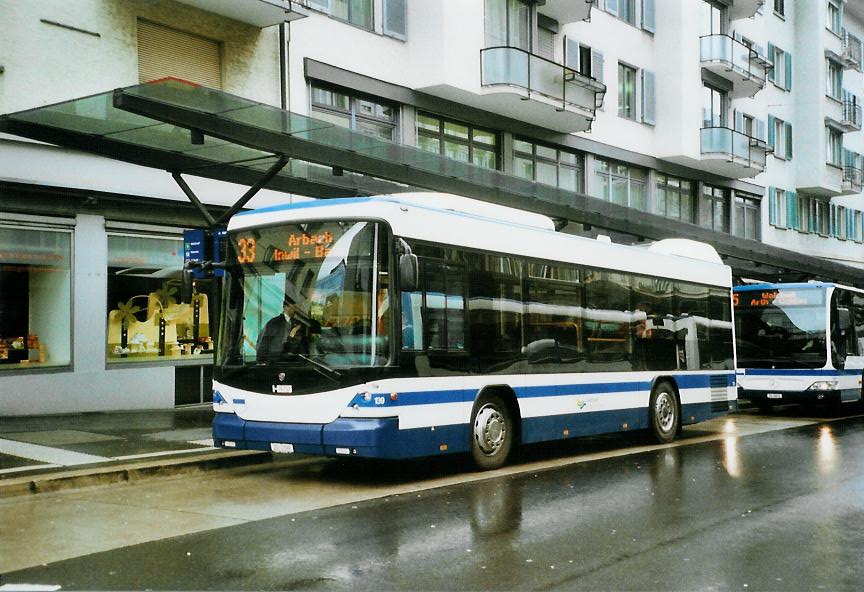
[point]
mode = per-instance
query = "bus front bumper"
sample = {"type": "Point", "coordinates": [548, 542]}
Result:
{"type": "Point", "coordinates": [775, 397]}
{"type": "Point", "coordinates": [368, 438]}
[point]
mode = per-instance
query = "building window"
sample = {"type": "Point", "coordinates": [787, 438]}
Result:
{"type": "Point", "coordinates": [544, 164]}
{"type": "Point", "coordinates": [713, 208]}
{"type": "Point", "coordinates": [624, 10]}
{"type": "Point", "coordinates": [146, 321]}
{"type": "Point", "coordinates": [834, 80]}
{"type": "Point", "coordinates": [777, 207]}
{"type": "Point", "coordinates": [834, 23]}
{"type": "Point", "coordinates": [36, 297]}
{"type": "Point", "coordinates": [714, 104]}
{"type": "Point", "coordinates": [713, 17]}
{"type": "Point", "coordinates": [457, 140]}
{"type": "Point", "coordinates": [781, 73]}
{"type": "Point", "coordinates": [626, 91]}
{"type": "Point", "coordinates": [621, 184]}
{"type": "Point", "coordinates": [164, 52]}
{"type": "Point", "coordinates": [747, 216]}
{"type": "Point", "coordinates": [372, 117]}
{"type": "Point", "coordinates": [508, 23]}
{"type": "Point", "coordinates": [780, 7]}
{"type": "Point", "coordinates": [822, 209]}
{"type": "Point", "coordinates": [674, 198]}
{"type": "Point", "coordinates": [834, 146]}
{"type": "Point", "coordinates": [355, 12]}
{"type": "Point", "coordinates": [780, 138]}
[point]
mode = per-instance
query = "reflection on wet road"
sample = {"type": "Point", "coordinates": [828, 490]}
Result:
{"type": "Point", "coordinates": [764, 510]}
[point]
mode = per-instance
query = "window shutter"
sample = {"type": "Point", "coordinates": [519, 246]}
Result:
{"type": "Point", "coordinates": [649, 99]}
{"type": "Point", "coordinates": [612, 6]}
{"type": "Point", "coordinates": [771, 57]}
{"type": "Point", "coordinates": [771, 138]}
{"type": "Point", "coordinates": [760, 129]}
{"type": "Point", "coordinates": [772, 206]}
{"type": "Point", "coordinates": [648, 12]}
{"type": "Point", "coordinates": [394, 18]}
{"type": "Point", "coordinates": [571, 53]}
{"type": "Point", "coordinates": [597, 65]}
{"type": "Point", "coordinates": [788, 59]}
{"type": "Point", "coordinates": [164, 52]}
{"type": "Point", "coordinates": [546, 43]}
{"type": "Point", "coordinates": [788, 127]}
{"type": "Point", "coordinates": [792, 210]}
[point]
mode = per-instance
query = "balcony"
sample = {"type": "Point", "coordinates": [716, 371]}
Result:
{"type": "Point", "coordinates": [853, 180]}
{"type": "Point", "coordinates": [732, 154]}
{"type": "Point", "coordinates": [258, 13]}
{"type": "Point", "coordinates": [742, 9]}
{"type": "Point", "coordinates": [850, 55]}
{"type": "Point", "coordinates": [519, 84]}
{"type": "Point", "coordinates": [844, 116]}
{"type": "Point", "coordinates": [566, 11]}
{"type": "Point", "coordinates": [734, 61]}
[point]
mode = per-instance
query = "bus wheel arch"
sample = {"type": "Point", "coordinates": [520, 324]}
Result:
{"type": "Point", "coordinates": [495, 426]}
{"type": "Point", "coordinates": [665, 419]}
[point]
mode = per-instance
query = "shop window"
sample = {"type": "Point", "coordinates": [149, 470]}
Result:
{"type": "Point", "coordinates": [146, 320]}
{"type": "Point", "coordinates": [35, 297]}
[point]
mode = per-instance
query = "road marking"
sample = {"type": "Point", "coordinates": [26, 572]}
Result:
{"type": "Point", "coordinates": [163, 453]}
{"type": "Point", "coordinates": [47, 454]}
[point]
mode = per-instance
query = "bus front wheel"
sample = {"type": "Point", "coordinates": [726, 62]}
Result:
{"type": "Point", "coordinates": [665, 418]}
{"type": "Point", "coordinates": [491, 432]}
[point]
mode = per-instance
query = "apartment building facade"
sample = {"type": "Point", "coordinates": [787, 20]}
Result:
{"type": "Point", "coordinates": [740, 117]}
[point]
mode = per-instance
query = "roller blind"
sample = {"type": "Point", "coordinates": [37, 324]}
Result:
{"type": "Point", "coordinates": [163, 52]}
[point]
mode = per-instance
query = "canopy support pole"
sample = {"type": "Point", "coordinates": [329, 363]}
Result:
{"type": "Point", "coordinates": [252, 191]}
{"type": "Point", "coordinates": [194, 199]}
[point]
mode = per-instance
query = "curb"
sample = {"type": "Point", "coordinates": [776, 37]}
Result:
{"type": "Point", "coordinates": [112, 474]}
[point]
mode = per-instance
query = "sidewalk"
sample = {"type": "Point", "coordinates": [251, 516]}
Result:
{"type": "Point", "coordinates": [46, 453]}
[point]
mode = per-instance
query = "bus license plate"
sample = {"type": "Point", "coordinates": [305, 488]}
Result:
{"type": "Point", "coordinates": [276, 447]}
{"type": "Point", "coordinates": [775, 396]}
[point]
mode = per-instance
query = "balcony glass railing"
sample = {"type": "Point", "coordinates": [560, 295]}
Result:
{"type": "Point", "coordinates": [734, 55]}
{"type": "Point", "coordinates": [852, 114]}
{"type": "Point", "coordinates": [512, 66]}
{"type": "Point", "coordinates": [853, 178]}
{"type": "Point", "coordinates": [727, 143]}
{"type": "Point", "coordinates": [852, 50]}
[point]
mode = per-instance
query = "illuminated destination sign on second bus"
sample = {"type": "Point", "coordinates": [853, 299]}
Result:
{"type": "Point", "coordinates": [296, 246]}
{"type": "Point", "coordinates": [783, 297]}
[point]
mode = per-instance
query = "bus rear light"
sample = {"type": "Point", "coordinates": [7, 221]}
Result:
{"type": "Point", "coordinates": [443, 448]}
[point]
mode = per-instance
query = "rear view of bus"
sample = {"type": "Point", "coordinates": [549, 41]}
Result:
{"type": "Point", "coordinates": [799, 343]}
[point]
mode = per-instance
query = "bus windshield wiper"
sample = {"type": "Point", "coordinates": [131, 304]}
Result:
{"type": "Point", "coordinates": [322, 368]}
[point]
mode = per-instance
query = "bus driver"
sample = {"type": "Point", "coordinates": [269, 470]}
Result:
{"type": "Point", "coordinates": [285, 334]}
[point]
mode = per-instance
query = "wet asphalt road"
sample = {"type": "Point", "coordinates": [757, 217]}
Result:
{"type": "Point", "coordinates": [782, 510]}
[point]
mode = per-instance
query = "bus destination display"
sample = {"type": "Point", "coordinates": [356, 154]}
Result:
{"type": "Point", "coordinates": [296, 246]}
{"type": "Point", "coordinates": [784, 298]}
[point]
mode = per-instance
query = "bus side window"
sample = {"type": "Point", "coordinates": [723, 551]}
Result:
{"type": "Point", "coordinates": [858, 315]}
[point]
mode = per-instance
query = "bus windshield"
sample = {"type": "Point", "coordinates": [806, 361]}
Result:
{"type": "Point", "coordinates": [781, 328]}
{"type": "Point", "coordinates": [307, 293]}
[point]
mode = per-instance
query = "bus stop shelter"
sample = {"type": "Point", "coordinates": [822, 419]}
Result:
{"type": "Point", "coordinates": [187, 129]}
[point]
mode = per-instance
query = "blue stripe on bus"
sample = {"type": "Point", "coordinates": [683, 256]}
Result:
{"type": "Point", "coordinates": [322, 203]}
{"type": "Point", "coordinates": [798, 372]}
{"type": "Point", "coordinates": [525, 392]}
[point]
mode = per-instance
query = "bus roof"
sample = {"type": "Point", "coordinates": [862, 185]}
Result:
{"type": "Point", "coordinates": [497, 229]}
{"type": "Point", "coordinates": [793, 285]}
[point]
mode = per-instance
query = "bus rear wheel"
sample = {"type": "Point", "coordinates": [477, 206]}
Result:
{"type": "Point", "coordinates": [491, 432]}
{"type": "Point", "coordinates": [664, 415]}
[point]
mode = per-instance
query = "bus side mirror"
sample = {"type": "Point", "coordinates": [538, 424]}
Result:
{"type": "Point", "coordinates": [844, 319]}
{"type": "Point", "coordinates": [409, 272]}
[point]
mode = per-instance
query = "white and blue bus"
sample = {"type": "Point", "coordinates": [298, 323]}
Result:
{"type": "Point", "coordinates": [426, 324]}
{"type": "Point", "coordinates": [799, 343]}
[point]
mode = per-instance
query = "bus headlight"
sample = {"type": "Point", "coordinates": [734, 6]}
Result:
{"type": "Point", "coordinates": [823, 385]}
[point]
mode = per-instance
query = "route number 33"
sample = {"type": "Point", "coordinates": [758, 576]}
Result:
{"type": "Point", "coordinates": [247, 250]}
